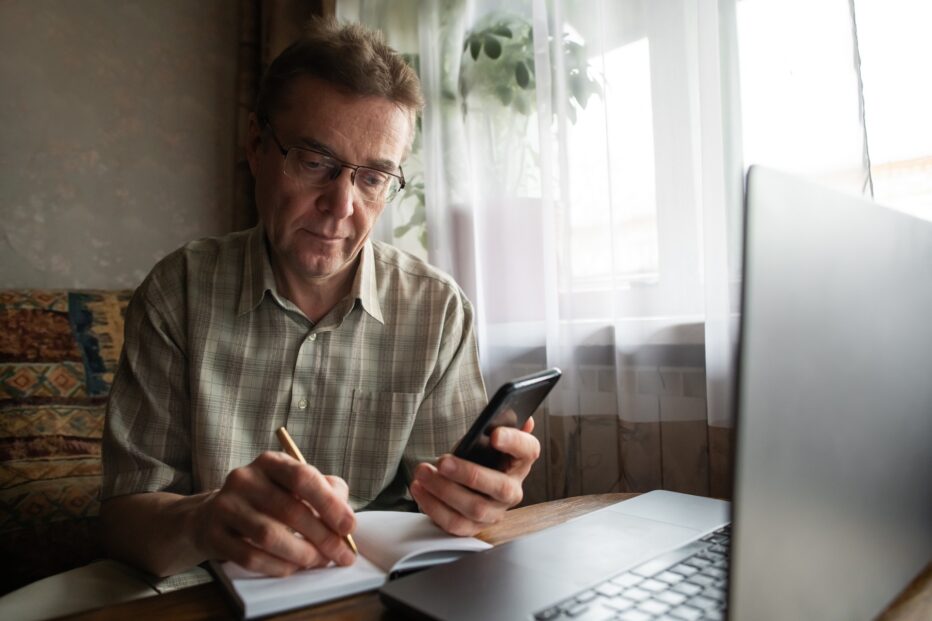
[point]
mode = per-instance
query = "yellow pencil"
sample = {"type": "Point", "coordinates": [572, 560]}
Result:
{"type": "Point", "coordinates": [292, 449]}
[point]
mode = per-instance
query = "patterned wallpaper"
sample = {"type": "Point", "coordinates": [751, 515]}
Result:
{"type": "Point", "coordinates": [116, 135]}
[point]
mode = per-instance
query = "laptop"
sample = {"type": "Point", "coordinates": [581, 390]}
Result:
{"type": "Point", "coordinates": [833, 469]}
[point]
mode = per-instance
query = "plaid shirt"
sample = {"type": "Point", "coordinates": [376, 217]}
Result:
{"type": "Point", "coordinates": [214, 361]}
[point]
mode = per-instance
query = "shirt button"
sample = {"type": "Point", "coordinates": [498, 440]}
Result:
{"type": "Point", "coordinates": [312, 337]}
{"type": "Point", "coordinates": [302, 404]}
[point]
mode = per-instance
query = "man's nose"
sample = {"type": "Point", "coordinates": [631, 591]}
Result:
{"type": "Point", "coordinates": [337, 198]}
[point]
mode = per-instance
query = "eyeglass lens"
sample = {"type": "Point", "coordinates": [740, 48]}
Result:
{"type": "Point", "coordinates": [318, 170]}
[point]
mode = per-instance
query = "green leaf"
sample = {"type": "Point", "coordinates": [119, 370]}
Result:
{"type": "Point", "coordinates": [578, 88]}
{"type": "Point", "coordinates": [504, 94]}
{"type": "Point", "coordinates": [423, 238]}
{"type": "Point", "coordinates": [503, 31]}
{"type": "Point", "coordinates": [419, 216]}
{"type": "Point", "coordinates": [475, 46]}
{"type": "Point", "coordinates": [401, 231]}
{"type": "Point", "coordinates": [521, 105]}
{"type": "Point", "coordinates": [522, 76]}
{"type": "Point", "coordinates": [493, 47]}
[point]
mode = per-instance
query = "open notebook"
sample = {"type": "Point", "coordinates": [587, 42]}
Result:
{"type": "Point", "coordinates": [390, 543]}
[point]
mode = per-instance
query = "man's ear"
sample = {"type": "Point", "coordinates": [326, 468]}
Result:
{"type": "Point", "coordinates": [253, 142]}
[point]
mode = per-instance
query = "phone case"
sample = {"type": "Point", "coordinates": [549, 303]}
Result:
{"type": "Point", "coordinates": [511, 406]}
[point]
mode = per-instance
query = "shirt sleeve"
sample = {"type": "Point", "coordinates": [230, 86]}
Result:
{"type": "Point", "coordinates": [146, 442]}
{"type": "Point", "coordinates": [456, 393]}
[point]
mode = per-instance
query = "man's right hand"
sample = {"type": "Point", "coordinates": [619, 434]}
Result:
{"type": "Point", "coordinates": [254, 520]}
{"type": "Point", "coordinates": [256, 517]}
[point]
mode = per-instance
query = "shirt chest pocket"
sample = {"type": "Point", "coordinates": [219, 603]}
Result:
{"type": "Point", "coordinates": [378, 431]}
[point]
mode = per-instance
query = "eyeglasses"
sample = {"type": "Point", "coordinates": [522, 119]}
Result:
{"type": "Point", "coordinates": [316, 169]}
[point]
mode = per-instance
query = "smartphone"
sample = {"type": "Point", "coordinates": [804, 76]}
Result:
{"type": "Point", "coordinates": [511, 406]}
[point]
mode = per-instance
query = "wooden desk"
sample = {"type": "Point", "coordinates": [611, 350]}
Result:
{"type": "Point", "coordinates": [208, 601]}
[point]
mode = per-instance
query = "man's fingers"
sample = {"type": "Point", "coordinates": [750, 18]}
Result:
{"type": "Point", "coordinates": [523, 447]}
{"type": "Point", "coordinates": [300, 518]}
{"type": "Point", "coordinates": [252, 558]}
{"type": "Point", "coordinates": [339, 486]}
{"type": "Point", "coordinates": [262, 503]}
{"type": "Point", "coordinates": [463, 497]}
{"type": "Point", "coordinates": [236, 515]}
{"type": "Point", "coordinates": [472, 504]}
{"type": "Point", "coordinates": [446, 518]}
{"type": "Point", "coordinates": [497, 486]}
{"type": "Point", "coordinates": [528, 425]}
{"type": "Point", "coordinates": [307, 483]}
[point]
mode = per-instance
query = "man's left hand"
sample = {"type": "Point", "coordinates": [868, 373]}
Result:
{"type": "Point", "coordinates": [463, 497]}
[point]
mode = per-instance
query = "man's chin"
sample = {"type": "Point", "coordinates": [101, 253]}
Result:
{"type": "Point", "coordinates": [320, 267]}
{"type": "Point", "coordinates": [311, 263]}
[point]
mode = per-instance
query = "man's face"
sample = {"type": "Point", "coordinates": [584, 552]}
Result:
{"type": "Point", "coordinates": [317, 233]}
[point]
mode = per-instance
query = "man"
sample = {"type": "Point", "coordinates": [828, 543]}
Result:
{"type": "Point", "coordinates": [366, 354]}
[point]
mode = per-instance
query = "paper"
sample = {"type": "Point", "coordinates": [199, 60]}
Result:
{"type": "Point", "coordinates": [388, 541]}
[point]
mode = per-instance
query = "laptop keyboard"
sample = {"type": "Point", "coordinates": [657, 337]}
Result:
{"type": "Point", "coordinates": [686, 584]}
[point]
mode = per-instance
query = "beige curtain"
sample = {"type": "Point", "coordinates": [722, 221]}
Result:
{"type": "Point", "coordinates": [266, 28]}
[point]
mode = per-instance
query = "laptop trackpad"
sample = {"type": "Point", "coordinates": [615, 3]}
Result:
{"type": "Point", "coordinates": [522, 576]}
{"type": "Point", "coordinates": [595, 546]}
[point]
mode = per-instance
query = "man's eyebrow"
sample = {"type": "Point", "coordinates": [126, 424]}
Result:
{"type": "Point", "coordinates": [379, 164]}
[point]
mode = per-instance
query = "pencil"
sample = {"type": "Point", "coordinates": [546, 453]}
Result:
{"type": "Point", "coordinates": [292, 449]}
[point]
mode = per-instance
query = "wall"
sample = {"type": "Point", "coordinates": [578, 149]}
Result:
{"type": "Point", "coordinates": [116, 135]}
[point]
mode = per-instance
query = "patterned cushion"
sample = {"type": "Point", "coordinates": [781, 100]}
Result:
{"type": "Point", "coordinates": [58, 352]}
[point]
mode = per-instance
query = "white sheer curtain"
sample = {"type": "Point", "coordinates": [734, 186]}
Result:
{"type": "Point", "coordinates": [579, 171]}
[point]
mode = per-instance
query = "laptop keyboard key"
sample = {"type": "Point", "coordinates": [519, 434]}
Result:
{"type": "Point", "coordinates": [685, 570]}
{"type": "Point", "coordinates": [653, 585]}
{"type": "Point", "coordinates": [574, 610]}
{"type": "Point", "coordinates": [698, 562]}
{"type": "Point", "coordinates": [637, 594]}
{"type": "Point", "coordinates": [704, 603]}
{"type": "Point", "coordinates": [653, 607]}
{"type": "Point", "coordinates": [607, 589]}
{"type": "Point", "coordinates": [595, 613]}
{"type": "Point", "coordinates": [669, 577]}
{"type": "Point", "coordinates": [702, 580]}
{"type": "Point", "coordinates": [547, 615]}
{"type": "Point", "coordinates": [627, 580]}
{"type": "Point", "coordinates": [671, 597]}
{"type": "Point", "coordinates": [659, 564]}
{"type": "Point", "coordinates": [687, 588]}
{"type": "Point", "coordinates": [686, 613]}
{"type": "Point", "coordinates": [634, 615]}
{"type": "Point", "coordinates": [586, 596]}
{"type": "Point", "coordinates": [619, 603]}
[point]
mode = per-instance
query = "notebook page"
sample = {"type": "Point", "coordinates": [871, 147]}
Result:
{"type": "Point", "coordinates": [394, 539]}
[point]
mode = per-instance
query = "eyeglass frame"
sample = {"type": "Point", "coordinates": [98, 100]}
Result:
{"type": "Point", "coordinates": [354, 168]}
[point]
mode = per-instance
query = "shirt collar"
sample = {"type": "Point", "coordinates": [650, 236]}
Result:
{"type": "Point", "coordinates": [257, 272]}
{"type": "Point", "coordinates": [258, 277]}
{"type": "Point", "coordinates": [365, 285]}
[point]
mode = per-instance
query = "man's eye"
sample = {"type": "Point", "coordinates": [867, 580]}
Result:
{"type": "Point", "coordinates": [372, 178]}
{"type": "Point", "coordinates": [312, 162]}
